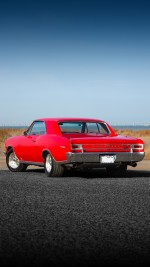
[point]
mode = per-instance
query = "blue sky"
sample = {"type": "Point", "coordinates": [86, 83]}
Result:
{"type": "Point", "coordinates": [75, 59]}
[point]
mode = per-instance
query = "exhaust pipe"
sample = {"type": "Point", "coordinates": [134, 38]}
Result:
{"type": "Point", "coordinates": [133, 164]}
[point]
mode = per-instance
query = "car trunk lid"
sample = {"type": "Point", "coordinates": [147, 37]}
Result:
{"type": "Point", "coordinates": [102, 144]}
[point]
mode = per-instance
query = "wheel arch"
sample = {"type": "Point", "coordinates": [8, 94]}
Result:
{"type": "Point", "coordinates": [9, 147]}
{"type": "Point", "coordinates": [45, 152]}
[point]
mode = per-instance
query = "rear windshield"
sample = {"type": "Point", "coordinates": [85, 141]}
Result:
{"type": "Point", "coordinates": [84, 127]}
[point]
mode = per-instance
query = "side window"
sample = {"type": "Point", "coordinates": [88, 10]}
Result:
{"type": "Point", "coordinates": [103, 128]}
{"type": "Point", "coordinates": [38, 128]}
{"type": "Point", "coordinates": [91, 127]}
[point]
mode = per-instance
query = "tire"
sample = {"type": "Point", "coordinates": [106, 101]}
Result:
{"type": "Point", "coordinates": [13, 163]}
{"type": "Point", "coordinates": [52, 168]}
{"type": "Point", "coordinates": [117, 171]}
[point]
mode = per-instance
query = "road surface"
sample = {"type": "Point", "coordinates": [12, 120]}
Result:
{"type": "Point", "coordinates": [86, 219]}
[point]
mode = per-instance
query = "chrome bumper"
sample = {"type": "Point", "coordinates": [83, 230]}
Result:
{"type": "Point", "coordinates": [95, 157]}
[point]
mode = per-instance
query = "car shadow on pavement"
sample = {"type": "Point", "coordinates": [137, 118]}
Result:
{"type": "Point", "coordinates": [95, 173]}
{"type": "Point", "coordinates": [101, 173]}
{"type": "Point", "coordinates": [89, 174]}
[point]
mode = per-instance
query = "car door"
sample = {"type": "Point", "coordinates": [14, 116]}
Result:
{"type": "Point", "coordinates": [32, 148]}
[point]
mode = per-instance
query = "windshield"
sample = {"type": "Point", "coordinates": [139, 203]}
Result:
{"type": "Point", "coordinates": [84, 127]}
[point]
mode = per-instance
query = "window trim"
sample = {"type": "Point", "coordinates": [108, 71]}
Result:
{"type": "Point", "coordinates": [31, 127]}
{"type": "Point", "coordinates": [84, 127]}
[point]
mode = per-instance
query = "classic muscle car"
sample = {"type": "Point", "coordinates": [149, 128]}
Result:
{"type": "Point", "coordinates": [66, 143]}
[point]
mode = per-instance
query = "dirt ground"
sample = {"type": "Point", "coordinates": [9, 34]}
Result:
{"type": "Point", "coordinates": [143, 165]}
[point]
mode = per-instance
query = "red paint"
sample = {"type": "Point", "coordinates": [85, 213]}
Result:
{"type": "Point", "coordinates": [30, 148]}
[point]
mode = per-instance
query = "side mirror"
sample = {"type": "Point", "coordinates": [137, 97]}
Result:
{"type": "Point", "coordinates": [25, 133]}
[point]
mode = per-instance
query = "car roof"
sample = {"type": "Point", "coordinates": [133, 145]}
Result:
{"type": "Point", "coordinates": [68, 119]}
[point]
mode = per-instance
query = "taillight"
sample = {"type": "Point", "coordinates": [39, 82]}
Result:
{"type": "Point", "coordinates": [138, 148]}
{"type": "Point", "coordinates": [76, 148]}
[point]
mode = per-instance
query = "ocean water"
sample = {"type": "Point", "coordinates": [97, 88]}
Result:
{"type": "Point", "coordinates": [131, 127]}
{"type": "Point", "coordinates": [13, 127]}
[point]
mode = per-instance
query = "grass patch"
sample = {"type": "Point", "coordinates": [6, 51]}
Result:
{"type": "Point", "coordinates": [6, 133]}
{"type": "Point", "coordinates": [142, 134]}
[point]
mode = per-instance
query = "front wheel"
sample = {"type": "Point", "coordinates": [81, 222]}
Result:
{"type": "Point", "coordinates": [13, 163]}
{"type": "Point", "coordinates": [52, 168]}
{"type": "Point", "coordinates": [117, 171]}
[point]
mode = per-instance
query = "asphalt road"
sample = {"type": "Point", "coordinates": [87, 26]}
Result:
{"type": "Point", "coordinates": [86, 219]}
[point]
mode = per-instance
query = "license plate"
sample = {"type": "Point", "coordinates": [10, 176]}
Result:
{"type": "Point", "coordinates": [107, 159]}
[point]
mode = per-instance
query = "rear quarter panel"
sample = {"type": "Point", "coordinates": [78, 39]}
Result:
{"type": "Point", "coordinates": [58, 146]}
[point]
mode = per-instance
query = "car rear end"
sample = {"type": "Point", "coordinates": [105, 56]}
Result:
{"type": "Point", "coordinates": [104, 151]}
{"type": "Point", "coordinates": [95, 143]}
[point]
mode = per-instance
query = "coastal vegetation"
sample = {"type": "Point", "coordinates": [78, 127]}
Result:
{"type": "Point", "coordinates": [143, 134]}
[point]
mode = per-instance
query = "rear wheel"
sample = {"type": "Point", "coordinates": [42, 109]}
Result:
{"type": "Point", "coordinates": [52, 168]}
{"type": "Point", "coordinates": [117, 171]}
{"type": "Point", "coordinates": [13, 163]}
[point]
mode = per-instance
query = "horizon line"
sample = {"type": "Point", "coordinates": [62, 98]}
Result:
{"type": "Point", "coordinates": [114, 124]}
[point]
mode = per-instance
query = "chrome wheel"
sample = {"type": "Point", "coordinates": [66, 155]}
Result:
{"type": "Point", "coordinates": [48, 163]}
{"type": "Point", "coordinates": [52, 168]}
{"type": "Point", "coordinates": [13, 161]}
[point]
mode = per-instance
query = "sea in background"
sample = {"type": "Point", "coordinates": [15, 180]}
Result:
{"type": "Point", "coordinates": [131, 127]}
{"type": "Point", "coordinates": [119, 127]}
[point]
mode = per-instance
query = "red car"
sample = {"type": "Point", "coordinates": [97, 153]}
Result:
{"type": "Point", "coordinates": [66, 143]}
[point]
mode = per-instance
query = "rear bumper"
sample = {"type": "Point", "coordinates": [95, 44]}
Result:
{"type": "Point", "coordinates": [95, 157]}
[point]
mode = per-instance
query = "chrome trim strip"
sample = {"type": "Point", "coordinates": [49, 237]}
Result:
{"type": "Point", "coordinates": [32, 163]}
{"type": "Point", "coordinates": [128, 157]}
{"type": "Point", "coordinates": [95, 157]}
